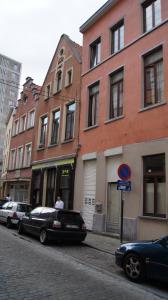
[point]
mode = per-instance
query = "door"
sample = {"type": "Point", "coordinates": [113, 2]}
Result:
{"type": "Point", "coordinates": [89, 192]}
{"type": "Point", "coordinates": [113, 209]}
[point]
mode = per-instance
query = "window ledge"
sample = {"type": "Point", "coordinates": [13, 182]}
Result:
{"type": "Point", "coordinates": [152, 106]}
{"type": "Point", "coordinates": [40, 148]}
{"type": "Point", "coordinates": [56, 92]}
{"type": "Point", "coordinates": [91, 127]}
{"type": "Point", "coordinates": [164, 219]}
{"type": "Point", "coordinates": [68, 85]}
{"type": "Point", "coordinates": [113, 120]}
{"type": "Point", "coordinates": [67, 141]}
{"type": "Point", "coordinates": [30, 127]}
{"type": "Point", "coordinates": [52, 145]}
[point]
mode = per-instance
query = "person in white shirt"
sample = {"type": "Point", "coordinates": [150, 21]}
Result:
{"type": "Point", "coordinates": [59, 203]}
{"type": "Point", "coordinates": [8, 197]}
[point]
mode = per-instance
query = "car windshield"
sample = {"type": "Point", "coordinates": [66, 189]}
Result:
{"type": "Point", "coordinates": [21, 207]}
{"type": "Point", "coordinates": [5, 205]}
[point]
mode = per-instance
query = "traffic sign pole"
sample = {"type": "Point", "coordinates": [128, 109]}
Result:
{"type": "Point", "coordinates": [122, 211]}
{"type": "Point", "coordinates": [124, 172]}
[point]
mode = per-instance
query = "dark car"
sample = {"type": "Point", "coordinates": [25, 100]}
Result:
{"type": "Point", "coordinates": [52, 224]}
{"type": "Point", "coordinates": [144, 259]}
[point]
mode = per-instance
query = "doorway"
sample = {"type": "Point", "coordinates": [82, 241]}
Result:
{"type": "Point", "coordinates": [113, 209]}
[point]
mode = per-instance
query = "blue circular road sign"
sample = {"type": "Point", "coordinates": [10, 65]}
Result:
{"type": "Point", "coordinates": [124, 172]}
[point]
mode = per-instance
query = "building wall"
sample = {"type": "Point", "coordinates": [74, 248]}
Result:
{"type": "Point", "coordinates": [138, 132]}
{"type": "Point", "coordinates": [59, 156]}
{"type": "Point", "coordinates": [19, 176]}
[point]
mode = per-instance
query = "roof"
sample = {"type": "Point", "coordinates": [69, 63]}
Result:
{"type": "Point", "coordinates": [97, 15]}
{"type": "Point", "coordinates": [76, 49]}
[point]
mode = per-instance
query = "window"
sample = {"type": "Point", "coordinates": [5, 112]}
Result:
{"type": "Point", "coordinates": [22, 124]}
{"type": "Point", "coordinates": [31, 117]}
{"type": "Point", "coordinates": [154, 185]}
{"type": "Point", "coordinates": [55, 126]}
{"type": "Point", "coordinates": [68, 78]}
{"type": "Point", "coordinates": [116, 94]}
{"type": "Point", "coordinates": [70, 111]}
{"type": "Point", "coordinates": [19, 158]}
{"type": "Point", "coordinates": [27, 155]}
{"type": "Point", "coordinates": [58, 81]}
{"type": "Point", "coordinates": [92, 106]}
{"type": "Point", "coordinates": [117, 36]}
{"type": "Point", "coordinates": [43, 130]}
{"type": "Point", "coordinates": [12, 159]}
{"type": "Point", "coordinates": [153, 64]}
{"type": "Point", "coordinates": [152, 14]}
{"type": "Point", "coordinates": [95, 52]}
{"type": "Point", "coordinates": [16, 127]}
{"type": "Point", "coordinates": [47, 91]}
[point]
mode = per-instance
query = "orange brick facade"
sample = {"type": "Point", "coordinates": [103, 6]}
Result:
{"type": "Point", "coordinates": [138, 134]}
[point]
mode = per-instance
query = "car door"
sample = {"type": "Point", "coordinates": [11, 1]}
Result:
{"type": "Point", "coordinates": [7, 211]}
{"type": "Point", "coordinates": [31, 223]}
{"type": "Point", "coordinates": [158, 260]}
{"type": "Point", "coordinates": [2, 211]}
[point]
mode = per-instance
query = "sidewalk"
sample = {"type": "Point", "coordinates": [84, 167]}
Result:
{"type": "Point", "coordinates": [102, 242]}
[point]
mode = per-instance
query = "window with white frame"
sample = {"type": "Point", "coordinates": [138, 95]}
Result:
{"type": "Point", "coordinates": [47, 91]}
{"type": "Point", "coordinates": [43, 130]}
{"type": "Point", "coordinates": [55, 126]}
{"type": "Point", "coordinates": [19, 158]}
{"type": "Point", "coordinates": [16, 127]}
{"type": "Point", "coordinates": [93, 104]}
{"type": "Point", "coordinates": [58, 82]}
{"type": "Point", "coordinates": [12, 159]}
{"type": "Point", "coordinates": [27, 155]}
{"type": "Point", "coordinates": [22, 123]}
{"type": "Point", "coordinates": [68, 77]}
{"type": "Point", "coordinates": [69, 127]}
{"type": "Point", "coordinates": [31, 117]}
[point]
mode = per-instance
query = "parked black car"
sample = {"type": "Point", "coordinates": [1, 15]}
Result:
{"type": "Point", "coordinates": [144, 259]}
{"type": "Point", "coordinates": [52, 224]}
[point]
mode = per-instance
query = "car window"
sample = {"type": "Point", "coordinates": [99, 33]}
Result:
{"type": "Point", "coordinates": [36, 211]}
{"type": "Point", "coordinates": [10, 205]}
{"type": "Point", "coordinates": [47, 213]}
{"type": "Point", "coordinates": [21, 207]}
{"type": "Point", "coordinates": [69, 217]}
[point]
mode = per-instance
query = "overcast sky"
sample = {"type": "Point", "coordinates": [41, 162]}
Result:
{"type": "Point", "coordinates": [31, 29]}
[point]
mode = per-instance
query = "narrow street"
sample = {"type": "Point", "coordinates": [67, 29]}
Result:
{"type": "Point", "coordinates": [30, 270]}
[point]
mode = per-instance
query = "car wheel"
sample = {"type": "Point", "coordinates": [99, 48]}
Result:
{"type": "Point", "coordinates": [20, 228]}
{"type": "Point", "coordinates": [8, 223]}
{"type": "Point", "coordinates": [43, 237]}
{"type": "Point", "coordinates": [133, 267]}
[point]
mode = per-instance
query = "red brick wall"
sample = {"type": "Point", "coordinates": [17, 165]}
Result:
{"type": "Point", "coordinates": [136, 125]}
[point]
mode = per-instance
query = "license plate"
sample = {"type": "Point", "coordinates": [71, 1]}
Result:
{"type": "Point", "coordinates": [72, 226]}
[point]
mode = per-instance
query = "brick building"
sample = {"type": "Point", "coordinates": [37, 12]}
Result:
{"type": "Point", "coordinates": [18, 176]}
{"type": "Point", "coordinates": [56, 135]}
{"type": "Point", "coordinates": [124, 118]}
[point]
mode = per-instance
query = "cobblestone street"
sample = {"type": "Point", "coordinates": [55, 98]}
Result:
{"type": "Point", "coordinates": [32, 271]}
